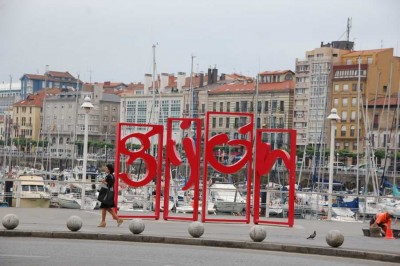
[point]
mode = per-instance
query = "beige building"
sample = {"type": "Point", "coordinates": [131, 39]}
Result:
{"type": "Point", "coordinates": [361, 77]}
{"type": "Point", "coordinates": [274, 103]}
{"type": "Point", "coordinates": [27, 117]}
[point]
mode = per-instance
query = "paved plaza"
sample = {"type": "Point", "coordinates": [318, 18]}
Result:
{"type": "Point", "coordinates": [52, 223]}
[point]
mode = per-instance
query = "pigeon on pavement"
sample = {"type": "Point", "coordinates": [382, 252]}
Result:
{"type": "Point", "coordinates": [312, 236]}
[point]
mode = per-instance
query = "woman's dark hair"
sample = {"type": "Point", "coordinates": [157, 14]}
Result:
{"type": "Point", "coordinates": [110, 168]}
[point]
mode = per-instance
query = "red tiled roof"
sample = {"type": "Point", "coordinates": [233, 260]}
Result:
{"type": "Point", "coordinates": [33, 76]}
{"type": "Point", "coordinates": [37, 98]}
{"type": "Point", "coordinates": [364, 52]}
{"type": "Point", "coordinates": [135, 86]}
{"type": "Point", "coordinates": [251, 87]}
{"type": "Point", "coordinates": [60, 74]}
{"type": "Point", "coordinates": [195, 81]}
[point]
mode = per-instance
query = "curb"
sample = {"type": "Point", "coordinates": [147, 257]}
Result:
{"type": "Point", "coordinates": [326, 251]}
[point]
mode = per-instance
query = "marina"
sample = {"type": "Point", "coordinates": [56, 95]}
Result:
{"type": "Point", "coordinates": [34, 191]}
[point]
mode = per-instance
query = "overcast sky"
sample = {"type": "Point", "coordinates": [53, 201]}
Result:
{"type": "Point", "coordinates": [113, 39]}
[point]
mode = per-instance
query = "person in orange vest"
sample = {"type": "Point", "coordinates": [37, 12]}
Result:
{"type": "Point", "coordinates": [382, 219]}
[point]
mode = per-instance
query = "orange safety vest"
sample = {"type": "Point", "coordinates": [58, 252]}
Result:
{"type": "Point", "coordinates": [382, 218]}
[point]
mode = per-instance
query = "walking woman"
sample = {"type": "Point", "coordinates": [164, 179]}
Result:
{"type": "Point", "coordinates": [109, 182]}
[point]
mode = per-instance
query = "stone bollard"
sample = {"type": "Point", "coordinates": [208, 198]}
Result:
{"type": "Point", "coordinates": [334, 238]}
{"type": "Point", "coordinates": [10, 221]}
{"type": "Point", "coordinates": [74, 223]}
{"type": "Point", "coordinates": [196, 229]}
{"type": "Point", "coordinates": [258, 233]}
{"type": "Point", "coordinates": [136, 226]}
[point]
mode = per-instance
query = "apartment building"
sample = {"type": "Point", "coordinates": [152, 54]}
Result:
{"type": "Point", "coordinates": [143, 105]}
{"type": "Point", "coordinates": [10, 93]}
{"type": "Point", "coordinates": [274, 102]}
{"type": "Point", "coordinates": [26, 119]}
{"type": "Point", "coordinates": [312, 91]}
{"type": "Point", "coordinates": [32, 83]}
{"type": "Point", "coordinates": [64, 119]}
{"type": "Point", "coordinates": [365, 87]}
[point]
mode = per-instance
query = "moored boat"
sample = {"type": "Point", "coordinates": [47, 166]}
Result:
{"type": "Point", "coordinates": [29, 192]}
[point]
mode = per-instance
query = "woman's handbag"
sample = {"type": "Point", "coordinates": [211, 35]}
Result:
{"type": "Point", "coordinates": [106, 196]}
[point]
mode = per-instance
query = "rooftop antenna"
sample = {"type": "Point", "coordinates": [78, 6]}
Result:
{"type": "Point", "coordinates": [349, 20]}
{"type": "Point", "coordinates": [90, 76]}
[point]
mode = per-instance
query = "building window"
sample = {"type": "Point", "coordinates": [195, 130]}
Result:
{"type": "Point", "coordinates": [369, 60]}
{"type": "Point", "coordinates": [228, 106]}
{"type": "Point", "coordinates": [344, 116]}
{"type": "Point", "coordinates": [343, 131]}
{"type": "Point", "coordinates": [220, 122]}
{"type": "Point", "coordinates": [236, 125]}
{"type": "Point", "coordinates": [221, 106]}
{"type": "Point", "coordinates": [353, 101]}
{"type": "Point", "coordinates": [352, 131]}
{"type": "Point", "coordinates": [349, 61]}
{"type": "Point", "coordinates": [266, 106]}
{"type": "Point", "coordinates": [335, 102]}
{"type": "Point", "coordinates": [203, 108]}
{"type": "Point", "coordinates": [345, 87]}
{"type": "Point", "coordinates": [227, 122]}
{"type": "Point", "coordinates": [214, 106]}
{"type": "Point", "coordinates": [353, 116]}
{"type": "Point", "coordinates": [214, 122]}
{"type": "Point", "coordinates": [237, 107]}
{"type": "Point", "coordinates": [344, 102]}
{"type": "Point", "coordinates": [336, 87]}
{"type": "Point", "coordinates": [274, 106]}
{"type": "Point", "coordinates": [376, 121]}
{"type": "Point", "coordinates": [282, 106]}
{"type": "Point", "coordinates": [243, 106]}
{"type": "Point", "coordinates": [385, 89]}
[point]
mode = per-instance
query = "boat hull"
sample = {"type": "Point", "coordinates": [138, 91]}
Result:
{"type": "Point", "coordinates": [230, 207]}
{"type": "Point", "coordinates": [32, 203]}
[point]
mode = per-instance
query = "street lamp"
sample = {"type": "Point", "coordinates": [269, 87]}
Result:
{"type": "Point", "coordinates": [86, 106]}
{"type": "Point", "coordinates": [333, 117]}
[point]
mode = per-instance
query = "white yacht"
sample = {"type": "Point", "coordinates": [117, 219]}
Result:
{"type": "Point", "coordinates": [29, 192]}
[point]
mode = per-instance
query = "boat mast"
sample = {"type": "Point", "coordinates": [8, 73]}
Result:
{"type": "Point", "coordinates": [396, 139]}
{"type": "Point", "coordinates": [153, 118]}
{"type": "Point", "coordinates": [358, 124]}
{"type": "Point", "coordinates": [191, 89]}
{"type": "Point", "coordinates": [387, 122]}
{"type": "Point", "coordinates": [73, 157]}
{"type": "Point", "coordinates": [44, 114]}
{"type": "Point", "coordinates": [191, 108]}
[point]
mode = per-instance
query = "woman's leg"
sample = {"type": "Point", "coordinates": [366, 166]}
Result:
{"type": "Point", "coordinates": [113, 214]}
{"type": "Point", "coordinates": [103, 215]}
{"type": "Point", "coordinates": [103, 218]}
